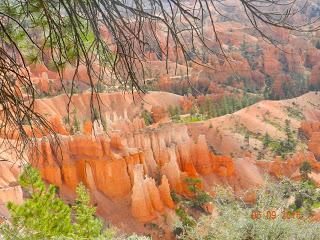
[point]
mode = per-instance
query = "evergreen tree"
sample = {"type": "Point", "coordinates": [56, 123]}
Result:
{"type": "Point", "coordinates": [202, 109]}
{"type": "Point", "coordinates": [305, 169]}
{"type": "Point", "coordinates": [177, 110]}
{"type": "Point", "coordinates": [233, 103]}
{"type": "Point", "coordinates": [267, 93]}
{"type": "Point", "coordinates": [237, 104]}
{"type": "Point", "coordinates": [87, 226]}
{"type": "Point", "coordinates": [218, 112]}
{"type": "Point", "coordinates": [229, 104]}
{"type": "Point", "coordinates": [247, 138]}
{"type": "Point", "coordinates": [46, 216]}
{"type": "Point", "coordinates": [290, 142]}
{"type": "Point", "coordinates": [266, 140]}
{"type": "Point", "coordinates": [76, 125]}
{"type": "Point", "coordinates": [245, 101]}
{"type": "Point", "coordinates": [200, 197]}
{"type": "Point", "coordinates": [42, 216]}
{"type": "Point", "coordinates": [224, 105]}
{"type": "Point", "coordinates": [244, 48]}
{"type": "Point", "coordinates": [212, 111]}
{"type": "Point", "coordinates": [284, 61]}
{"type": "Point", "coordinates": [148, 119]}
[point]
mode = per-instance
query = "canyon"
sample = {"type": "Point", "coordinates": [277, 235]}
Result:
{"type": "Point", "coordinates": [238, 118]}
{"type": "Point", "coordinates": [131, 169]}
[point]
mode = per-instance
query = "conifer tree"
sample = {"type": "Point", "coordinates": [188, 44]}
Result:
{"type": "Point", "coordinates": [45, 216]}
{"type": "Point", "coordinates": [76, 124]}
{"type": "Point", "coordinates": [305, 169]}
{"type": "Point", "coordinates": [212, 112]}
{"type": "Point", "coordinates": [290, 142]}
{"type": "Point", "coordinates": [146, 115]}
{"type": "Point", "coordinates": [247, 138]}
{"type": "Point", "coordinates": [266, 140]}
{"type": "Point", "coordinates": [87, 226]}
{"type": "Point", "coordinates": [42, 216]}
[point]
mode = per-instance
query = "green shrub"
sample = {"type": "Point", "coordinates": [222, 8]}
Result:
{"type": "Point", "coordinates": [200, 197]}
{"type": "Point", "coordinates": [146, 115]}
{"type": "Point", "coordinates": [235, 218]}
{"type": "Point", "coordinates": [185, 223]}
{"type": "Point", "coordinates": [266, 140]}
{"type": "Point", "coordinates": [305, 169]}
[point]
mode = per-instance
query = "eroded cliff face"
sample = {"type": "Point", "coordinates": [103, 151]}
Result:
{"type": "Point", "coordinates": [131, 159]}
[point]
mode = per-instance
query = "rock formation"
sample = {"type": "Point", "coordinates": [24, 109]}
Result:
{"type": "Point", "coordinates": [146, 163]}
{"type": "Point", "coordinates": [145, 196]}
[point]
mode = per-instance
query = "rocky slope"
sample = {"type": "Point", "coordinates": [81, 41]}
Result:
{"type": "Point", "coordinates": [227, 133]}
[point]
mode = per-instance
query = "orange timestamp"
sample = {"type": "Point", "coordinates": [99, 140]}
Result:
{"type": "Point", "coordinates": [272, 214]}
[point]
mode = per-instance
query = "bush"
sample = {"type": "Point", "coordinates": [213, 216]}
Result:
{"type": "Point", "coordinates": [185, 223]}
{"type": "Point", "coordinates": [200, 197]}
{"type": "Point", "coordinates": [235, 218]}
{"type": "Point", "coordinates": [174, 112]}
{"type": "Point", "coordinates": [266, 140]}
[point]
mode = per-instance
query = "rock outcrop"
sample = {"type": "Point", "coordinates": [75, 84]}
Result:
{"type": "Point", "coordinates": [145, 196]}
{"type": "Point", "coordinates": [131, 159]}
